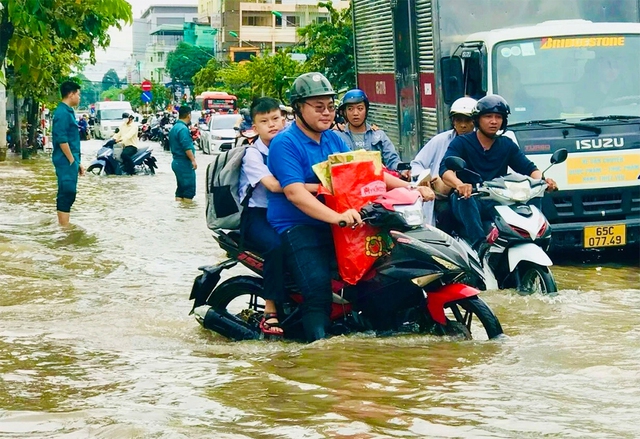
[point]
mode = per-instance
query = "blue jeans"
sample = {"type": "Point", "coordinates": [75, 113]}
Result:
{"type": "Point", "coordinates": [185, 177]}
{"type": "Point", "coordinates": [310, 258]}
{"type": "Point", "coordinates": [471, 212]}
{"type": "Point", "coordinates": [260, 236]}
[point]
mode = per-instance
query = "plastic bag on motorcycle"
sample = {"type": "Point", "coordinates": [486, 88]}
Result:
{"type": "Point", "coordinates": [354, 185]}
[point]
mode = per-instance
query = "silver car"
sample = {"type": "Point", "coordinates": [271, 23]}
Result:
{"type": "Point", "coordinates": [221, 134]}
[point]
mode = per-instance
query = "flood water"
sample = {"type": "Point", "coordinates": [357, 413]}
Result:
{"type": "Point", "coordinates": [96, 341]}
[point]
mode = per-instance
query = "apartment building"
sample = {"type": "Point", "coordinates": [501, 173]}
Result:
{"type": "Point", "coordinates": [156, 33]}
{"type": "Point", "coordinates": [253, 27]}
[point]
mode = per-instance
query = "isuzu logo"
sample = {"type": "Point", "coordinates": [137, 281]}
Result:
{"type": "Point", "coordinates": [601, 143]}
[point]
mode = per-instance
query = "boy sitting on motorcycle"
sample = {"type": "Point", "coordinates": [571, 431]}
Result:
{"type": "Point", "coordinates": [301, 219]}
{"type": "Point", "coordinates": [256, 181]}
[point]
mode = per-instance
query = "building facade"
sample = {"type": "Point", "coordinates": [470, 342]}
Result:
{"type": "Point", "coordinates": [155, 34]}
{"type": "Point", "coordinates": [259, 26]}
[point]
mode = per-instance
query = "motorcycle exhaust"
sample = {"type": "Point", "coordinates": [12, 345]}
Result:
{"type": "Point", "coordinates": [225, 324]}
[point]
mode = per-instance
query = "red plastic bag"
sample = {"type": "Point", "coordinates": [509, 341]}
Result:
{"type": "Point", "coordinates": [354, 185]}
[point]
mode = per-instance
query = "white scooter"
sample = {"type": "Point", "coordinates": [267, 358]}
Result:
{"type": "Point", "coordinates": [519, 233]}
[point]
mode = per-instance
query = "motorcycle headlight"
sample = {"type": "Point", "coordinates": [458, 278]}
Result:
{"type": "Point", "coordinates": [519, 191]}
{"type": "Point", "coordinates": [412, 214]}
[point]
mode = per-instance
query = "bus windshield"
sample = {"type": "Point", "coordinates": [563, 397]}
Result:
{"type": "Point", "coordinates": [569, 77]}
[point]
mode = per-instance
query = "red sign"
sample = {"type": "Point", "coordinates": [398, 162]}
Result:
{"type": "Point", "coordinates": [146, 85]}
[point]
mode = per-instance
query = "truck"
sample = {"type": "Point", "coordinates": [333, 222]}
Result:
{"type": "Point", "coordinates": [570, 71]}
{"type": "Point", "coordinates": [109, 117]}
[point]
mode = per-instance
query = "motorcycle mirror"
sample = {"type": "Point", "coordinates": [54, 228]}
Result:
{"type": "Point", "coordinates": [559, 156]}
{"type": "Point", "coordinates": [455, 163]}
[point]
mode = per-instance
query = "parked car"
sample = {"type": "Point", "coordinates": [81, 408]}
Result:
{"type": "Point", "coordinates": [220, 134]}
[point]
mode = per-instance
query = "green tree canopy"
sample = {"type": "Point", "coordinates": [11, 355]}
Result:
{"type": "Point", "coordinates": [110, 80]}
{"type": "Point", "coordinates": [329, 47]}
{"type": "Point", "coordinates": [208, 78]}
{"type": "Point", "coordinates": [272, 75]}
{"type": "Point", "coordinates": [187, 60]}
{"type": "Point", "coordinates": [34, 32]}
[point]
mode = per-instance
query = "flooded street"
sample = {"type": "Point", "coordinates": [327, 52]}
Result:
{"type": "Point", "coordinates": [96, 341]}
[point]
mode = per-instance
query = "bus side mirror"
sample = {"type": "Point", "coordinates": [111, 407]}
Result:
{"type": "Point", "coordinates": [452, 78]}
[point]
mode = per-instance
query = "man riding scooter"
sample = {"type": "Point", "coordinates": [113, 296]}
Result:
{"type": "Point", "coordinates": [359, 134]}
{"type": "Point", "coordinates": [299, 217]}
{"type": "Point", "coordinates": [127, 135]}
{"type": "Point", "coordinates": [488, 153]}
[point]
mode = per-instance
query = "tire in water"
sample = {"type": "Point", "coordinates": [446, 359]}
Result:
{"type": "Point", "coordinates": [536, 279]}
{"type": "Point", "coordinates": [95, 169]}
{"type": "Point", "coordinates": [474, 306]}
{"type": "Point", "coordinates": [231, 290]}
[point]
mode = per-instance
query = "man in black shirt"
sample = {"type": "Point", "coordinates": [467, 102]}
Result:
{"type": "Point", "coordinates": [487, 153]}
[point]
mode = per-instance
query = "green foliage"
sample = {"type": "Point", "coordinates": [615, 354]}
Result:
{"type": "Point", "coordinates": [329, 47]}
{"type": "Point", "coordinates": [89, 91]}
{"type": "Point", "coordinates": [187, 60]}
{"type": "Point", "coordinates": [43, 39]}
{"type": "Point", "coordinates": [112, 94]}
{"type": "Point", "coordinates": [272, 75]}
{"type": "Point", "coordinates": [208, 78]}
{"type": "Point", "coordinates": [110, 80]}
{"type": "Point", "coordinates": [237, 81]}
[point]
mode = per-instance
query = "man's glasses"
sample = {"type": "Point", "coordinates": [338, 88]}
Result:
{"type": "Point", "coordinates": [322, 108]}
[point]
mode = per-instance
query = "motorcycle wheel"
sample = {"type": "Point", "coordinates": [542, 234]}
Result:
{"type": "Point", "coordinates": [475, 306]}
{"type": "Point", "coordinates": [95, 169]}
{"type": "Point", "coordinates": [241, 296]}
{"type": "Point", "coordinates": [536, 279]}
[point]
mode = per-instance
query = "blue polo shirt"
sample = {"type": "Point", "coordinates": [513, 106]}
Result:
{"type": "Point", "coordinates": [291, 156]}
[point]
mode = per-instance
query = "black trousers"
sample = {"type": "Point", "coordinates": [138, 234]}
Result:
{"type": "Point", "coordinates": [259, 235]}
{"type": "Point", "coordinates": [127, 163]}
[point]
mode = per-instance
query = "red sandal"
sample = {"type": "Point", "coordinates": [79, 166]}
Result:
{"type": "Point", "coordinates": [267, 328]}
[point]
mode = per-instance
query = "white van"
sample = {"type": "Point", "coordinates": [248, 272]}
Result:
{"type": "Point", "coordinates": [109, 117]}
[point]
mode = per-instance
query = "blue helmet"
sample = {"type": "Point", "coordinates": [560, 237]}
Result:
{"type": "Point", "coordinates": [354, 96]}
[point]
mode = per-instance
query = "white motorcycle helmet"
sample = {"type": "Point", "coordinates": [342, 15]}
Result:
{"type": "Point", "coordinates": [463, 106]}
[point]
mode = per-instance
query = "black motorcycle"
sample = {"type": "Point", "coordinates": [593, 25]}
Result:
{"type": "Point", "coordinates": [414, 287]}
{"type": "Point", "coordinates": [106, 162]}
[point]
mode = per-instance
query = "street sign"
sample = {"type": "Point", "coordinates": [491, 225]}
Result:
{"type": "Point", "coordinates": [146, 97]}
{"type": "Point", "coordinates": [146, 85]}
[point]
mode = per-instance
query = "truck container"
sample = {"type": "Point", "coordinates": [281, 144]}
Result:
{"type": "Point", "coordinates": [570, 71]}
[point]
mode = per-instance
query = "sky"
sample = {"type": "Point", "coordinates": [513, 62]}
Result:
{"type": "Point", "coordinates": [117, 55]}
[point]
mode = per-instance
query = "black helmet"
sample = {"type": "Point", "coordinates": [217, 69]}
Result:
{"type": "Point", "coordinates": [492, 104]}
{"type": "Point", "coordinates": [126, 115]}
{"type": "Point", "coordinates": [310, 85]}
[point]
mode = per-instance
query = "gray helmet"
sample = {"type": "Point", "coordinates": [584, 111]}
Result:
{"type": "Point", "coordinates": [310, 85]}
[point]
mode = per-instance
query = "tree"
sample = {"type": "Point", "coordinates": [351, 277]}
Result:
{"type": "Point", "coordinates": [32, 30]}
{"type": "Point", "coordinates": [329, 47]}
{"type": "Point", "coordinates": [41, 41]}
{"type": "Point", "coordinates": [90, 91]}
{"type": "Point", "coordinates": [272, 75]}
{"type": "Point", "coordinates": [185, 61]}
{"type": "Point", "coordinates": [112, 94]}
{"type": "Point", "coordinates": [110, 80]}
{"type": "Point", "coordinates": [208, 78]}
{"type": "Point", "coordinates": [237, 81]}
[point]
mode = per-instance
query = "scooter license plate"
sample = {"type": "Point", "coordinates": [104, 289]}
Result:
{"type": "Point", "coordinates": [605, 236]}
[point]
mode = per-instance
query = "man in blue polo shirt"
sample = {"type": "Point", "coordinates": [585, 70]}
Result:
{"type": "Point", "coordinates": [488, 153]}
{"type": "Point", "coordinates": [300, 218]}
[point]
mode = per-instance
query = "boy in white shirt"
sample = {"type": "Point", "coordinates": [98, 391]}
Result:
{"type": "Point", "coordinates": [254, 227]}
